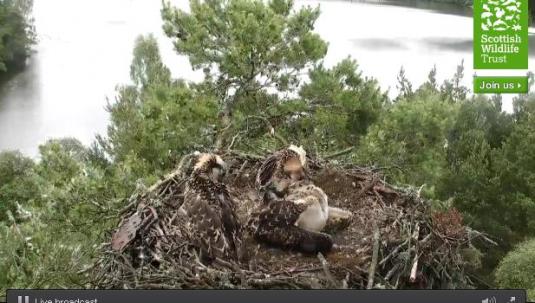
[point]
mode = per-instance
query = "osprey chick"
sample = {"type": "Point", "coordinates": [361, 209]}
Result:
{"type": "Point", "coordinates": [276, 224]}
{"type": "Point", "coordinates": [296, 222]}
{"type": "Point", "coordinates": [212, 222]}
{"type": "Point", "coordinates": [318, 213]}
{"type": "Point", "coordinates": [279, 170]}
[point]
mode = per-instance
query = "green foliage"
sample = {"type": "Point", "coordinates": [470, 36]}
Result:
{"type": "Point", "coordinates": [147, 69]}
{"type": "Point", "coordinates": [342, 104]}
{"type": "Point", "coordinates": [18, 184]}
{"type": "Point", "coordinates": [517, 170]}
{"type": "Point", "coordinates": [452, 89]}
{"type": "Point", "coordinates": [16, 33]}
{"type": "Point", "coordinates": [410, 139]}
{"type": "Point", "coordinates": [46, 244]}
{"type": "Point", "coordinates": [474, 154]}
{"type": "Point", "coordinates": [60, 160]}
{"type": "Point", "coordinates": [34, 255]}
{"type": "Point", "coordinates": [158, 121]}
{"type": "Point", "coordinates": [404, 86]}
{"type": "Point", "coordinates": [517, 269]}
{"type": "Point", "coordinates": [333, 110]}
{"type": "Point", "coordinates": [237, 41]}
{"type": "Point", "coordinates": [245, 49]}
{"type": "Point", "coordinates": [60, 207]}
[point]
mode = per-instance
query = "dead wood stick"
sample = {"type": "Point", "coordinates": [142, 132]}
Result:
{"type": "Point", "coordinates": [375, 255]}
{"type": "Point", "coordinates": [382, 202]}
{"type": "Point", "coordinates": [130, 205]}
{"type": "Point", "coordinates": [414, 268]}
{"type": "Point", "coordinates": [245, 155]}
{"type": "Point", "coordinates": [344, 281]}
{"type": "Point", "coordinates": [339, 153]}
{"type": "Point", "coordinates": [327, 272]}
{"type": "Point", "coordinates": [242, 168]}
{"type": "Point", "coordinates": [393, 252]}
{"type": "Point", "coordinates": [367, 187]}
{"type": "Point", "coordinates": [172, 175]}
{"type": "Point", "coordinates": [391, 272]}
{"type": "Point", "coordinates": [234, 267]}
{"type": "Point", "coordinates": [233, 140]}
{"type": "Point", "coordinates": [385, 190]}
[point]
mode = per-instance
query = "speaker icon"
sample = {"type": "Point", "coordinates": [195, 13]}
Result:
{"type": "Point", "coordinates": [489, 300]}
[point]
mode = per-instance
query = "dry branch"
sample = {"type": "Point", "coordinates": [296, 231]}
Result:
{"type": "Point", "coordinates": [375, 255]}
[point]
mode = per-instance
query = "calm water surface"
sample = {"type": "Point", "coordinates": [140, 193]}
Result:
{"type": "Point", "coordinates": [86, 45]}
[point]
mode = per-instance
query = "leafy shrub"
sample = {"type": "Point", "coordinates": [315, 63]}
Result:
{"type": "Point", "coordinates": [517, 269]}
{"type": "Point", "coordinates": [18, 183]}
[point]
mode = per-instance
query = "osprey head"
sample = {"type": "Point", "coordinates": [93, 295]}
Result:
{"type": "Point", "coordinates": [294, 165]}
{"type": "Point", "coordinates": [211, 166]}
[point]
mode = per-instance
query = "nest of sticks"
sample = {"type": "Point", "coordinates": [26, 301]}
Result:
{"type": "Point", "coordinates": [394, 240]}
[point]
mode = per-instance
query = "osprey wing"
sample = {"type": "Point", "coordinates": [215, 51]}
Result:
{"type": "Point", "coordinates": [267, 170]}
{"type": "Point", "coordinates": [207, 227]}
{"type": "Point", "coordinates": [231, 225]}
{"type": "Point", "coordinates": [276, 225]}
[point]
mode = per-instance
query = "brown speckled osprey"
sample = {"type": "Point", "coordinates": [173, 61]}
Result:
{"type": "Point", "coordinates": [275, 226]}
{"type": "Point", "coordinates": [293, 225]}
{"type": "Point", "coordinates": [278, 171]}
{"type": "Point", "coordinates": [296, 221]}
{"type": "Point", "coordinates": [212, 222]}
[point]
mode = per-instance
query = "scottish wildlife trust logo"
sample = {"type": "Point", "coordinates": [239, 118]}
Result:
{"type": "Point", "coordinates": [501, 15]}
{"type": "Point", "coordinates": [501, 34]}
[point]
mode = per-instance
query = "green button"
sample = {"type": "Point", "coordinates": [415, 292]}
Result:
{"type": "Point", "coordinates": [501, 85]}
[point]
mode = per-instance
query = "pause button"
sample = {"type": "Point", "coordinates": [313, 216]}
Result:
{"type": "Point", "coordinates": [26, 299]}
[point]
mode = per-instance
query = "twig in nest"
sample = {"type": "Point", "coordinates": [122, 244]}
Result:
{"type": "Point", "coordinates": [414, 268]}
{"type": "Point", "coordinates": [367, 187]}
{"type": "Point", "coordinates": [420, 190]}
{"type": "Point", "coordinates": [178, 171]}
{"type": "Point", "coordinates": [393, 252]}
{"type": "Point", "coordinates": [344, 281]}
{"type": "Point", "coordinates": [385, 190]}
{"type": "Point", "coordinates": [391, 272]}
{"type": "Point", "coordinates": [130, 205]}
{"type": "Point", "coordinates": [382, 202]}
{"type": "Point", "coordinates": [327, 272]}
{"type": "Point", "coordinates": [246, 155]}
{"type": "Point", "coordinates": [233, 140]}
{"type": "Point", "coordinates": [234, 267]}
{"type": "Point", "coordinates": [375, 255]}
{"type": "Point", "coordinates": [242, 168]}
{"type": "Point", "coordinates": [339, 153]}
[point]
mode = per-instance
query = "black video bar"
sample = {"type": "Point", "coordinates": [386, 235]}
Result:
{"type": "Point", "coordinates": [266, 296]}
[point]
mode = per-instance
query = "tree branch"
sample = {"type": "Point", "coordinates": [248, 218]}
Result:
{"type": "Point", "coordinates": [375, 255]}
{"type": "Point", "coordinates": [339, 153]}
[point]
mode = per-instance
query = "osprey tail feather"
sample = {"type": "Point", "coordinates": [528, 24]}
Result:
{"type": "Point", "coordinates": [295, 238]}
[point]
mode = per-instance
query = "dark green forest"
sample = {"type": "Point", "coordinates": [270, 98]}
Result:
{"type": "Point", "coordinates": [265, 85]}
{"type": "Point", "coordinates": [16, 34]}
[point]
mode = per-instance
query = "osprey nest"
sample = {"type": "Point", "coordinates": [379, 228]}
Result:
{"type": "Point", "coordinates": [394, 239]}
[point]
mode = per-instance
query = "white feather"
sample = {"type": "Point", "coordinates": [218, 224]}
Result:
{"type": "Point", "coordinates": [301, 152]}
